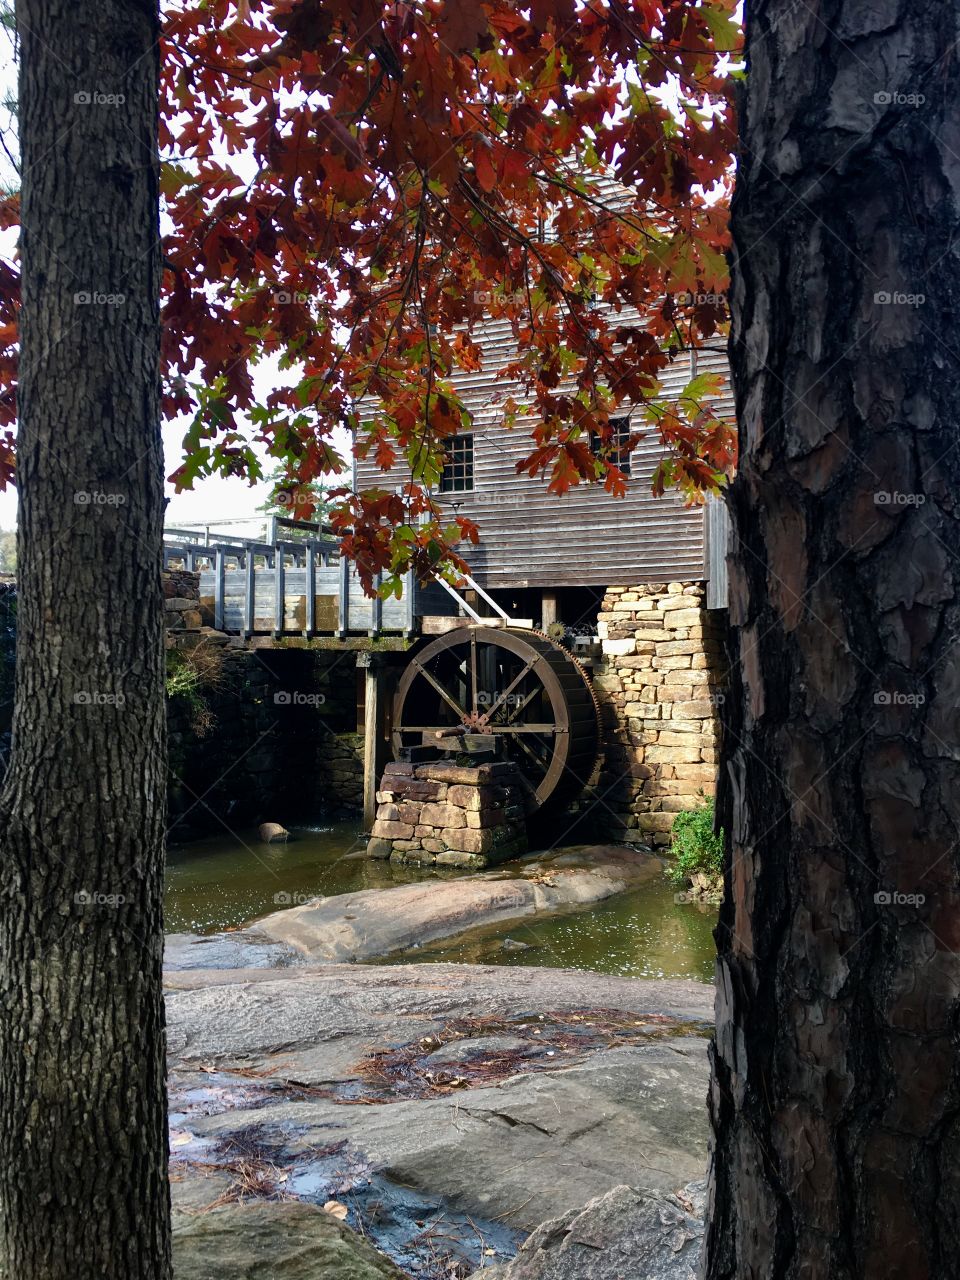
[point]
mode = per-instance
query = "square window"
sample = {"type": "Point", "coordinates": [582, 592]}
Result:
{"type": "Point", "coordinates": [615, 449]}
{"type": "Point", "coordinates": [457, 474]}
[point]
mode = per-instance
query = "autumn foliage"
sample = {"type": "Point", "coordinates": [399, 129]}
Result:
{"type": "Point", "coordinates": [352, 190]}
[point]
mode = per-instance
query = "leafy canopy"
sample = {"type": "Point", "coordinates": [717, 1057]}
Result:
{"type": "Point", "coordinates": [353, 189]}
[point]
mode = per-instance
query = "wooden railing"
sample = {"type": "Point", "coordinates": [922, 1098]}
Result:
{"type": "Point", "coordinates": [287, 586]}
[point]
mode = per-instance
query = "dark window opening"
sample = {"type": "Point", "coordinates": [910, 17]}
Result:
{"type": "Point", "coordinates": [457, 474]}
{"type": "Point", "coordinates": [614, 450]}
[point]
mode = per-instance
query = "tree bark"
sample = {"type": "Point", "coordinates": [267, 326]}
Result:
{"type": "Point", "coordinates": [83, 1182]}
{"type": "Point", "coordinates": [835, 1099]}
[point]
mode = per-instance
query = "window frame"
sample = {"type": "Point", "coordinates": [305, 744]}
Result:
{"type": "Point", "coordinates": [617, 453]}
{"type": "Point", "coordinates": [454, 463]}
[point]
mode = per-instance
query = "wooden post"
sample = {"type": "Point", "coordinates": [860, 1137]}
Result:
{"type": "Point", "coordinates": [219, 566]}
{"type": "Point", "coordinates": [409, 603]}
{"type": "Point", "coordinates": [279, 594]}
{"type": "Point", "coordinates": [310, 615]}
{"type": "Point", "coordinates": [343, 597]}
{"type": "Point", "coordinates": [374, 735]}
{"type": "Point", "coordinates": [548, 608]}
{"type": "Point", "coordinates": [376, 608]}
{"type": "Point", "coordinates": [249, 594]}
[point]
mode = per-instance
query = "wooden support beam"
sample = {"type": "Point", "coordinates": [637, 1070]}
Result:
{"type": "Point", "coordinates": [374, 731]}
{"type": "Point", "coordinates": [548, 608]}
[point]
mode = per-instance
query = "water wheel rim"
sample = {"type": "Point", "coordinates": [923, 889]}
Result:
{"type": "Point", "coordinates": [533, 649]}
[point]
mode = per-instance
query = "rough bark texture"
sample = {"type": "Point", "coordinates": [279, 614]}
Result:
{"type": "Point", "coordinates": [83, 1189]}
{"type": "Point", "coordinates": [835, 1092]}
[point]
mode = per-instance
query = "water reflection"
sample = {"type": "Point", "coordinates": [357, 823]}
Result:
{"type": "Point", "coordinates": [220, 883]}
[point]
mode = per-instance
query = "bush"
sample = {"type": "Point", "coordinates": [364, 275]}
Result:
{"type": "Point", "coordinates": [189, 672]}
{"type": "Point", "coordinates": [694, 846]}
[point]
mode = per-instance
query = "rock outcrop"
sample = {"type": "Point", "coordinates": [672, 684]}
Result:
{"type": "Point", "coordinates": [378, 922]}
{"type": "Point", "coordinates": [622, 1235]}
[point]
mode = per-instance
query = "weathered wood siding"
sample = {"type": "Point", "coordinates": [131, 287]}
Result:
{"type": "Point", "coordinates": [530, 537]}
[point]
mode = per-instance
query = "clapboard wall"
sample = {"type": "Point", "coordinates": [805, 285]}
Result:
{"type": "Point", "coordinates": [586, 537]}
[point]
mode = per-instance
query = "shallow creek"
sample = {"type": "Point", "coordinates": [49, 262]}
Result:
{"type": "Point", "coordinates": [219, 883]}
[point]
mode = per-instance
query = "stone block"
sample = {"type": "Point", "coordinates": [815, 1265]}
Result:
{"type": "Point", "coordinates": [471, 798]}
{"type": "Point", "coordinates": [399, 769]}
{"type": "Point", "coordinates": [459, 858]}
{"type": "Point", "coordinates": [392, 830]}
{"type": "Point", "coordinates": [619, 648]}
{"type": "Point", "coordinates": [671, 662]}
{"type": "Point", "coordinates": [377, 848]}
{"type": "Point", "coordinates": [673, 755]}
{"type": "Point", "coordinates": [676, 739]}
{"type": "Point", "coordinates": [696, 709]}
{"type": "Point", "coordinates": [443, 815]}
{"type": "Point", "coordinates": [681, 618]}
{"type": "Point", "coordinates": [670, 647]}
{"type": "Point", "coordinates": [433, 845]}
{"type": "Point", "coordinates": [388, 813]}
{"type": "Point", "coordinates": [467, 841]}
{"type": "Point", "coordinates": [695, 772]}
{"type": "Point", "coordinates": [662, 822]}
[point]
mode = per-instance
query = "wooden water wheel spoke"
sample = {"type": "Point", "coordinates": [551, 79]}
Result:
{"type": "Point", "coordinates": [502, 697]}
{"type": "Point", "coordinates": [440, 689]}
{"type": "Point", "coordinates": [523, 728]}
{"type": "Point", "coordinates": [547, 721]}
{"type": "Point", "coordinates": [473, 672]}
{"type": "Point", "coordinates": [521, 706]}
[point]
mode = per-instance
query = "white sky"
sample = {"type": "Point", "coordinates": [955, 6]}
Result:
{"type": "Point", "coordinates": [211, 499]}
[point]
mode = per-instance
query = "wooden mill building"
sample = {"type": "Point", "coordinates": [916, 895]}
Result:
{"type": "Point", "coordinates": [588, 638]}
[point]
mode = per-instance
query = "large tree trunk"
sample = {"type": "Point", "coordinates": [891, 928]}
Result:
{"type": "Point", "coordinates": [83, 1186]}
{"type": "Point", "coordinates": [835, 1101]}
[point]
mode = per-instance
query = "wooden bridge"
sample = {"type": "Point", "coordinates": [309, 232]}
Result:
{"type": "Point", "coordinates": [296, 583]}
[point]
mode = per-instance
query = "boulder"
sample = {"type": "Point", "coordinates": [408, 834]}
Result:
{"type": "Point", "coordinates": [623, 1233]}
{"type": "Point", "coordinates": [273, 1241]}
{"type": "Point", "coordinates": [379, 922]}
{"type": "Point", "coordinates": [272, 832]}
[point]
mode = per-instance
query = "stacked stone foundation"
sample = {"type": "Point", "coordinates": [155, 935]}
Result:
{"type": "Point", "coordinates": [660, 686]}
{"type": "Point", "coordinates": [449, 815]}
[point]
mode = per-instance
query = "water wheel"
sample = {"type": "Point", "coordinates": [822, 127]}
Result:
{"type": "Point", "coordinates": [520, 686]}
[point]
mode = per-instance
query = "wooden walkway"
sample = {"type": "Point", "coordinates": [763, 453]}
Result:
{"type": "Point", "coordinates": [296, 585]}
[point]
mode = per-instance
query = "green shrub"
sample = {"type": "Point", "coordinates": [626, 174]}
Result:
{"type": "Point", "coordinates": [694, 846]}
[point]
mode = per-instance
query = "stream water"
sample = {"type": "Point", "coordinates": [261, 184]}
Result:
{"type": "Point", "coordinates": [221, 882]}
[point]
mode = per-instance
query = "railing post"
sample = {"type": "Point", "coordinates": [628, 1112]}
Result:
{"type": "Point", "coordinates": [250, 593]}
{"type": "Point", "coordinates": [343, 598]}
{"type": "Point", "coordinates": [376, 607]}
{"type": "Point", "coordinates": [310, 614]}
{"type": "Point", "coordinates": [279, 597]}
{"type": "Point", "coordinates": [219, 567]}
{"type": "Point", "coordinates": [409, 607]}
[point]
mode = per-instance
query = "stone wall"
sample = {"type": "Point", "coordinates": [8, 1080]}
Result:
{"type": "Point", "coordinates": [181, 604]}
{"type": "Point", "coordinates": [254, 735]}
{"type": "Point", "coordinates": [660, 686]}
{"type": "Point", "coordinates": [449, 814]}
{"type": "Point", "coordinates": [340, 773]}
